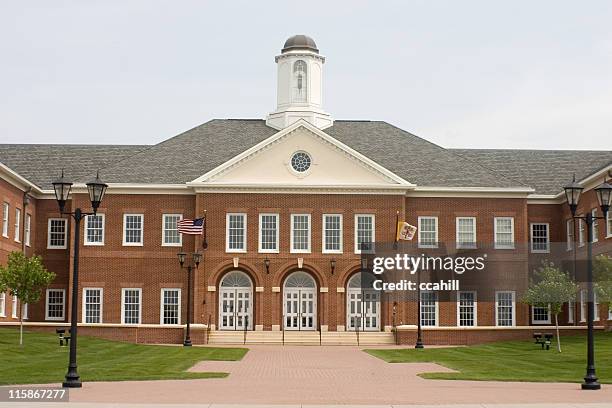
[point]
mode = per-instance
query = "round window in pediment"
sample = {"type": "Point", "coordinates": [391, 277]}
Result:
{"type": "Point", "coordinates": [300, 162]}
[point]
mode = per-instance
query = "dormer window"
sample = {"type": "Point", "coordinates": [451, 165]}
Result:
{"type": "Point", "coordinates": [299, 81]}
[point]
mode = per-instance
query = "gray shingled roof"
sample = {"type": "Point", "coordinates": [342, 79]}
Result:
{"type": "Point", "coordinates": [545, 170]}
{"type": "Point", "coordinates": [41, 163]}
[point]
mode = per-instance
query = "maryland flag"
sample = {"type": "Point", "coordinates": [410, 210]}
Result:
{"type": "Point", "coordinates": [405, 231]}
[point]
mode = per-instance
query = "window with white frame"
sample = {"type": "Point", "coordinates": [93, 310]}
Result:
{"type": "Point", "coordinates": [56, 233]}
{"type": "Point", "coordinates": [55, 304]}
{"type": "Point", "coordinates": [2, 304]}
{"type": "Point", "coordinates": [609, 224]}
{"type": "Point", "coordinates": [595, 225]}
{"type": "Point", "coordinates": [133, 225]}
{"type": "Point", "coordinates": [428, 232]}
{"type": "Point", "coordinates": [170, 232]}
{"type": "Point", "coordinates": [17, 225]}
{"type": "Point", "coordinates": [28, 229]}
{"type": "Point", "coordinates": [131, 305]}
{"type": "Point", "coordinates": [540, 314]}
{"type": "Point", "coordinates": [24, 311]}
{"type": "Point", "coordinates": [5, 219]}
{"type": "Point", "coordinates": [235, 240]}
{"type": "Point", "coordinates": [332, 233]}
{"type": "Point", "coordinates": [300, 233]}
{"type": "Point", "coordinates": [504, 308]}
{"type": "Point", "coordinates": [14, 307]}
{"type": "Point", "coordinates": [571, 311]}
{"type": "Point", "coordinates": [466, 232]}
{"type": "Point", "coordinates": [595, 307]}
{"type": "Point", "coordinates": [94, 229]}
{"type": "Point", "coordinates": [581, 231]}
{"type": "Point", "coordinates": [583, 305]}
{"type": "Point", "coordinates": [170, 306]}
{"type": "Point", "coordinates": [569, 230]}
{"type": "Point", "coordinates": [429, 308]}
{"type": "Point", "coordinates": [540, 237]}
{"type": "Point", "coordinates": [504, 232]}
{"type": "Point", "coordinates": [92, 305]}
{"type": "Point", "coordinates": [268, 233]}
{"type": "Point", "coordinates": [466, 308]}
{"type": "Point", "coordinates": [609, 312]}
{"type": "Point", "coordinates": [364, 232]}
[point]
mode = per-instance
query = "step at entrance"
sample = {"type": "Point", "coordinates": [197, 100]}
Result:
{"type": "Point", "coordinates": [325, 338]}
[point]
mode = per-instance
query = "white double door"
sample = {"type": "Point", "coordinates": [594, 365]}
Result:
{"type": "Point", "coordinates": [363, 310]}
{"type": "Point", "coordinates": [300, 309]}
{"type": "Point", "coordinates": [235, 308]}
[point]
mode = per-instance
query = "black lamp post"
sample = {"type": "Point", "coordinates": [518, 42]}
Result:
{"type": "Point", "coordinates": [96, 189]}
{"type": "Point", "coordinates": [419, 340]}
{"type": "Point", "coordinates": [604, 197]}
{"type": "Point", "coordinates": [196, 257]}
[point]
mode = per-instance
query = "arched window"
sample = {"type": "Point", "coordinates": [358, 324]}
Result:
{"type": "Point", "coordinates": [236, 279]}
{"type": "Point", "coordinates": [300, 77]}
{"type": "Point", "coordinates": [300, 280]}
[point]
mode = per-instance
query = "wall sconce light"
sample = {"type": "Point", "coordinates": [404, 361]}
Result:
{"type": "Point", "coordinates": [332, 265]}
{"type": "Point", "coordinates": [267, 264]}
{"type": "Point", "coordinates": [364, 263]}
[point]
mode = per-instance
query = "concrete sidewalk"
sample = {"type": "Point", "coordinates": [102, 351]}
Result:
{"type": "Point", "coordinates": [115, 405]}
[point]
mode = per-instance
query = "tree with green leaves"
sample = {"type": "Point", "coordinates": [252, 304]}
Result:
{"type": "Point", "coordinates": [24, 278]}
{"type": "Point", "coordinates": [602, 274]}
{"type": "Point", "coordinates": [551, 287]}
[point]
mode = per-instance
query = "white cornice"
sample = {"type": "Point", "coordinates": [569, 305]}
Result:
{"type": "Point", "coordinates": [134, 188]}
{"type": "Point", "coordinates": [17, 180]}
{"type": "Point", "coordinates": [385, 189]}
{"type": "Point", "coordinates": [470, 192]}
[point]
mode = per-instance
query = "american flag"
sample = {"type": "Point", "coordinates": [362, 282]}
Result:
{"type": "Point", "coordinates": [191, 227]}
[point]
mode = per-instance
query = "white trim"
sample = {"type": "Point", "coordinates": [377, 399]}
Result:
{"type": "Point", "coordinates": [15, 179]}
{"type": "Point", "coordinates": [3, 304]}
{"type": "Point", "coordinates": [581, 231]}
{"type": "Point", "coordinates": [420, 245]}
{"type": "Point", "coordinates": [244, 231]}
{"type": "Point", "coordinates": [6, 208]}
{"type": "Point", "coordinates": [63, 304]}
{"type": "Point", "coordinates": [503, 246]}
{"type": "Point", "coordinates": [14, 304]}
{"type": "Point", "coordinates": [570, 239]}
{"type": "Point", "coordinates": [161, 306]}
{"type": "Point", "coordinates": [259, 188]}
{"type": "Point", "coordinates": [27, 230]}
{"type": "Point", "coordinates": [323, 237]}
{"type": "Point", "coordinates": [437, 307]}
{"type": "Point", "coordinates": [85, 241]}
{"type": "Point", "coordinates": [609, 224]}
{"type": "Point", "coordinates": [373, 216]}
{"type": "Point", "coordinates": [65, 221]}
{"type": "Point", "coordinates": [539, 251]}
{"type": "Point", "coordinates": [163, 238]}
{"type": "Point", "coordinates": [301, 251]}
{"type": "Point", "coordinates": [513, 307]}
{"type": "Point", "coordinates": [123, 305]}
{"type": "Point", "coordinates": [259, 234]}
{"type": "Point", "coordinates": [534, 321]}
{"type": "Point", "coordinates": [594, 226]}
{"type": "Point", "coordinates": [583, 305]}
{"type": "Point", "coordinates": [17, 225]}
{"type": "Point", "coordinates": [83, 307]}
{"type": "Point", "coordinates": [475, 307]}
{"type": "Point", "coordinates": [469, 245]}
{"type": "Point", "coordinates": [135, 189]}
{"type": "Point", "coordinates": [141, 243]}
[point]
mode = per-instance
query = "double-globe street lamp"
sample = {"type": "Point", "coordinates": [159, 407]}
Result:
{"type": "Point", "coordinates": [604, 197]}
{"type": "Point", "coordinates": [196, 257]}
{"type": "Point", "coordinates": [96, 189]}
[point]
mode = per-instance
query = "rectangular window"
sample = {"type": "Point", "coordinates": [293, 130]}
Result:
{"type": "Point", "coordinates": [595, 225]}
{"type": "Point", "coordinates": [300, 233]}
{"type": "Point", "coordinates": [540, 315]}
{"type": "Point", "coordinates": [94, 229]}
{"type": "Point", "coordinates": [235, 240]}
{"type": "Point", "coordinates": [133, 229]}
{"type": "Point", "coordinates": [332, 233]}
{"type": "Point", "coordinates": [28, 229]}
{"type": "Point", "coordinates": [17, 225]}
{"type": "Point", "coordinates": [131, 305]}
{"type": "Point", "coordinates": [609, 312]}
{"type": "Point", "coordinates": [429, 308]}
{"type": "Point", "coordinates": [5, 219]}
{"type": "Point", "coordinates": [540, 238]}
{"type": "Point", "coordinates": [609, 223]}
{"type": "Point", "coordinates": [504, 308]}
{"type": "Point", "coordinates": [56, 233]}
{"type": "Point", "coordinates": [92, 301]}
{"type": "Point", "coordinates": [365, 228]}
{"type": "Point", "coordinates": [571, 311]}
{"type": "Point", "coordinates": [595, 307]}
{"type": "Point", "coordinates": [466, 309]}
{"type": "Point", "coordinates": [55, 305]}
{"type": "Point", "coordinates": [569, 228]}
{"type": "Point", "coordinates": [428, 232]}
{"type": "Point", "coordinates": [170, 233]}
{"type": "Point", "coordinates": [581, 231]}
{"type": "Point", "coordinates": [583, 305]}
{"type": "Point", "coordinates": [504, 232]}
{"type": "Point", "coordinates": [466, 232]}
{"type": "Point", "coordinates": [14, 308]}
{"type": "Point", "coordinates": [2, 304]}
{"type": "Point", "coordinates": [268, 233]}
{"type": "Point", "coordinates": [170, 306]}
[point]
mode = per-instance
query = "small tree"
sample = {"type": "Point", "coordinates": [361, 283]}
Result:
{"type": "Point", "coordinates": [551, 287]}
{"type": "Point", "coordinates": [24, 278]}
{"type": "Point", "coordinates": [602, 272]}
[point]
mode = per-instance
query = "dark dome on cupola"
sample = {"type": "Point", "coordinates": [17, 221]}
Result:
{"type": "Point", "coordinates": [300, 42]}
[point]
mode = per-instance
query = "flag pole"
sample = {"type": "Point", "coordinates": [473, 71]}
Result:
{"type": "Point", "coordinates": [396, 228]}
{"type": "Point", "coordinates": [204, 243]}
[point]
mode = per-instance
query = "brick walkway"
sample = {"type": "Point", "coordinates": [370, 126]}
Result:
{"type": "Point", "coordinates": [329, 375]}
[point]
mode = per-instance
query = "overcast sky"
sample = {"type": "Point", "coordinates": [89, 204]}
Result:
{"type": "Point", "coordinates": [488, 74]}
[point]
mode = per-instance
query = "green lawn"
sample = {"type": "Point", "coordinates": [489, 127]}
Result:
{"type": "Point", "coordinates": [512, 361]}
{"type": "Point", "coordinates": [41, 360]}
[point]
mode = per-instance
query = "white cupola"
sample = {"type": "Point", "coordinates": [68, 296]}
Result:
{"type": "Point", "coordinates": [299, 89]}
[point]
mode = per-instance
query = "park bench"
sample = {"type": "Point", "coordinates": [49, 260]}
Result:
{"type": "Point", "coordinates": [63, 339]}
{"type": "Point", "coordinates": [543, 339]}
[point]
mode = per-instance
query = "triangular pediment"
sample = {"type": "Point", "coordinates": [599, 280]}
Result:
{"type": "Point", "coordinates": [331, 164]}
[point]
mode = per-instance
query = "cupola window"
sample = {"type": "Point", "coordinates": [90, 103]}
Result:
{"type": "Point", "coordinates": [300, 77]}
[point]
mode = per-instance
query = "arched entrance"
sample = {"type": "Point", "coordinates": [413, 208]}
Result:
{"type": "Point", "coordinates": [362, 303]}
{"type": "Point", "coordinates": [236, 301]}
{"type": "Point", "coordinates": [300, 302]}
